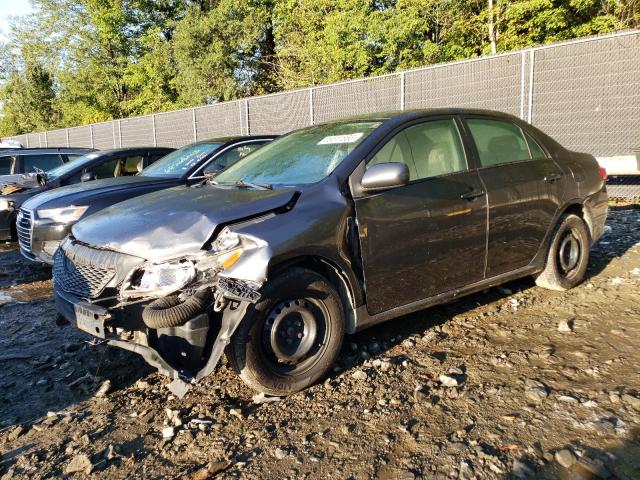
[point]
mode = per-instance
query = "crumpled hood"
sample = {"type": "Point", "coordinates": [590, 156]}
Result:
{"type": "Point", "coordinates": [175, 222]}
{"type": "Point", "coordinates": [75, 194]}
{"type": "Point", "coordinates": [23, 180]}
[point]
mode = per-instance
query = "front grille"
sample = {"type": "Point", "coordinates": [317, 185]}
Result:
{"type": "Point", "coordinates": [80, 279]}
{"type": "Point", "coordinates": [24, 227]}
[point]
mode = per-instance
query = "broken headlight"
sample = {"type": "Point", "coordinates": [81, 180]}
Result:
{"type": "Point", "coordinates": [159, 280]}
{"type": "Point", "coordinates": [64, 214]}
{"type": "Point", "coordinates": [225, 251]}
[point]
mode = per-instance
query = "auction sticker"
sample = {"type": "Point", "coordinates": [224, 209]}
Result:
{"type": "Point", "coordinates": [335, 139]}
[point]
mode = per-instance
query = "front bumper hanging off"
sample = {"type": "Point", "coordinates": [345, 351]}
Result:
{"type": "Point", "coordinates": [232, 298]}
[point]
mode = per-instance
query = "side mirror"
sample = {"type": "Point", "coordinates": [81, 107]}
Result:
{"type": "Point", "coordinates": [212, 170]}
{"type": "Point", "coordinates": [87, 176]}
{"type": "Point", "coordinates": [385, 176]}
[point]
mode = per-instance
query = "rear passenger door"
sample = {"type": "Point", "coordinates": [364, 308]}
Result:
{"type": "Point", "coordinates": [429, 236]}
{"type": "Point", "coordinates": [519, 178]}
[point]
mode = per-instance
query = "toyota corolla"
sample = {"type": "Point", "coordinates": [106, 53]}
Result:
{"type": "Point", "coordinates": [326, 231]}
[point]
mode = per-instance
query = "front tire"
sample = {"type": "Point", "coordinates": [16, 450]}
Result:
{"type": "Point", "coordinates": [568, 255]}
{"type": "Point", "coordinates": [290, 339]}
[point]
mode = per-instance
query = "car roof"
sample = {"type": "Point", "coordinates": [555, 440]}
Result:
{"type": "Point", "coordinates": [129, 150]}
{"type": "Point", "coordinates": [236, 138]}
{"type": "Point", "coordinates": [36, 151]}
{"type": "Point", "coordinates": [404, 115]}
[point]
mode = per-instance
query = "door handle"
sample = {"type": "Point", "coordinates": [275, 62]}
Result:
{"type": "Point", "coordinates": [472, 194]}
{"type": "Point", "coordinates": [552, 177]}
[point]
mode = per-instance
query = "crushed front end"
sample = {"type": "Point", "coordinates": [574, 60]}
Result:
{"type": "Point", "coordinates": [179, 314]}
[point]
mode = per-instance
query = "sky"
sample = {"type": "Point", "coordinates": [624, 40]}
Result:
{"type": "Point", "coordinates": [9, 8]}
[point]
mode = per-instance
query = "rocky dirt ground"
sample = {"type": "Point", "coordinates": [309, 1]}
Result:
{"type": "Point", "coordinates": [515, 382]}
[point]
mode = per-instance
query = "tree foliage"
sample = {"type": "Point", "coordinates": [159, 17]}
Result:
{"type": "Point", "coordinates": [79, 61]}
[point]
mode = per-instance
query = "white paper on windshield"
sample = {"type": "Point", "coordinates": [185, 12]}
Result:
{"type": "Point", "coordinates": [334, 139]}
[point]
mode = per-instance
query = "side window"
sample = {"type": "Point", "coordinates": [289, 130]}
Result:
{"type": "Point", "coordinates": [534, 148]}
{"type": "Point", "coordinates": [498, 141]}
{"type": "Point", "coordinates": [42, 162]}
{"type": "Point", "coordinates": [73, 156]}
{"type": "Point", "coordinates": [396, 150]}
{"type": "Point", "coordinates": [436, 148]}
{"type": "Point", "coordinates": [429, 149]}
{"type": "Point", "coordinates": [156, 156]}
{"type": "Point", "coordinates": [6, 165]}
{"type": "Point", "coordinates": [129, 166]}
{"type": "Point", "coordinates": [231, 156]}
{"type": "Point", "coordinates": [106, 169]}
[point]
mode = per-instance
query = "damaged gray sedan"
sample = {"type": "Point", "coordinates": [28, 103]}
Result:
{"type": "Point", "coordinates": [326, 231]}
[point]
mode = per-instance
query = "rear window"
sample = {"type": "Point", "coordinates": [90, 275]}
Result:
{"type": "Point", "coordinates": [498, 141]}
{"type": "Point", "coordinates": [45, 162]}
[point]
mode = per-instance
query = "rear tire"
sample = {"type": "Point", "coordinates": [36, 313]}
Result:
{"type": "Point", "coordinates": [568, 255]}
{"type": "Point", "coordinates": [290, 339]}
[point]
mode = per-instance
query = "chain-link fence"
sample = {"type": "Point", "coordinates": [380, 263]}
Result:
{"type": "Point", "coordinates": [585, 93]}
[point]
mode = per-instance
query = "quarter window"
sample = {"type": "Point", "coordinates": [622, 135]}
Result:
{"type": "Point", "coordinates": [6, 165]}
{"type": "Point", "coordinates": [429, 149]}
{"type": "Point", "coordinates": [498, 141]}
{"type": "Point", "coordinates": [534, 148]}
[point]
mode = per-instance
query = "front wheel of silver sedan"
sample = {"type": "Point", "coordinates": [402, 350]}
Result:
{"type": "Point", "coordinates": [292, 336]}
{"type": "Point", "coordinates": [568, 255]}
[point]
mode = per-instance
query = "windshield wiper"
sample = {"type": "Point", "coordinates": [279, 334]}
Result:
{"type": "Point", "coordinates": [258, 186]}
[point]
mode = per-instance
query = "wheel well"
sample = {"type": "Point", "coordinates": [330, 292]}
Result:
{"type": "Point", "coordinates": [333, 274]}
{"type": "Point", "coordinates": [582, 212]}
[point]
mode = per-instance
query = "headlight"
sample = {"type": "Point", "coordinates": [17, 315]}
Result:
{"type": "Point", "coordinates": [64, 214]}
{"type": "Point", "coordinates": [158, 280]}
{"type": "Point", "coordinates": [226, 250]}
{"type": "Point", "coordinates": [6, 205]}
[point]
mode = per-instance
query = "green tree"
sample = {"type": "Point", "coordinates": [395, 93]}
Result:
{"type": "Point", "coordinates": [28, 101]}
{"type": "Point", "coordinates": [224, 51]}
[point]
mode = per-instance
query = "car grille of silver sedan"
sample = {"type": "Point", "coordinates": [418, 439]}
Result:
{"type": "Point", "coordinates": [24, 228]}
{"type": "Point", "coordinates": [78, 278]}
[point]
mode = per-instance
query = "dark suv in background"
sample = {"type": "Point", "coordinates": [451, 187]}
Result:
{"type": "Point", "coordinates": [16, 161]}
{"type": "Point", "coordinates": [326, 231]}
{"type": "Point", "coordinates": [94, 165]}
{"type": "Point", "coordinates": [48, 217]}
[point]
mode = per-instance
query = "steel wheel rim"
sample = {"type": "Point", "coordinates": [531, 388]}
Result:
{"type": "Point", "coordinates": [569, 252]}
{"type": "Point", "coordinates": [294, 335]}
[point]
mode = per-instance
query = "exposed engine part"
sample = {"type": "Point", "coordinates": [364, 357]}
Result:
{"type": "Point", "coordinates": [239, 290]}
{"type": "Point", "coordinates": [171, 312]}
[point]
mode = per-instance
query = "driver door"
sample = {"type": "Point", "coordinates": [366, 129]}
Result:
{"type": "Point", "coordinates": [429, 236]}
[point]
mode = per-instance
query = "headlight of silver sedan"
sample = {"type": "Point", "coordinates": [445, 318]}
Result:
{"type": "Point", "coordinates": [158, 280]}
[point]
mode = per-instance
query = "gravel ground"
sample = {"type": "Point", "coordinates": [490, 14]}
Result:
{"type": "Point", "coordinates": [515, 382]}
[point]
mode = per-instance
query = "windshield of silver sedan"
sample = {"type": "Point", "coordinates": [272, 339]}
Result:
{"type": "Point", "coordinates": [302, 157]}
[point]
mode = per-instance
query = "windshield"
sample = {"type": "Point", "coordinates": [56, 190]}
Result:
{"type": "Point", "coordinates": [70, 166]}
{"type": "Point", "coordinates": [303, 157]}
{"type": "Point", "coordinates": [181, 161]}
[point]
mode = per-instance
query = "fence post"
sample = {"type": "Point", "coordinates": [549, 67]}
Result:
{"type": "Point", "coordinates": [119, 133]}
{"type": "Point", "coordinates": [46, 140]}
{"type": "Point", "coordinates": [246, 115]}
{"type": "Point", "coordinates": [113, 133]}
{"type": "Point", "coordinates": [523, 67]}
{"type": "Point", "coordinates": [91, 135]}
{"type": "Point", "coordinates": [311, 119]}
{"type": "Point", "coordinates": [66, 131]}
{"type": "Point", "coordinates": [195, 125]}
{"type": "Point", "coordinates": [531, 61]}
{"type": "Point", "coordinates": [153, 127]}
{"type": "Point", "coordinates": [401, 90]}
{"type": "Point", "coordinates": [240, 115]}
